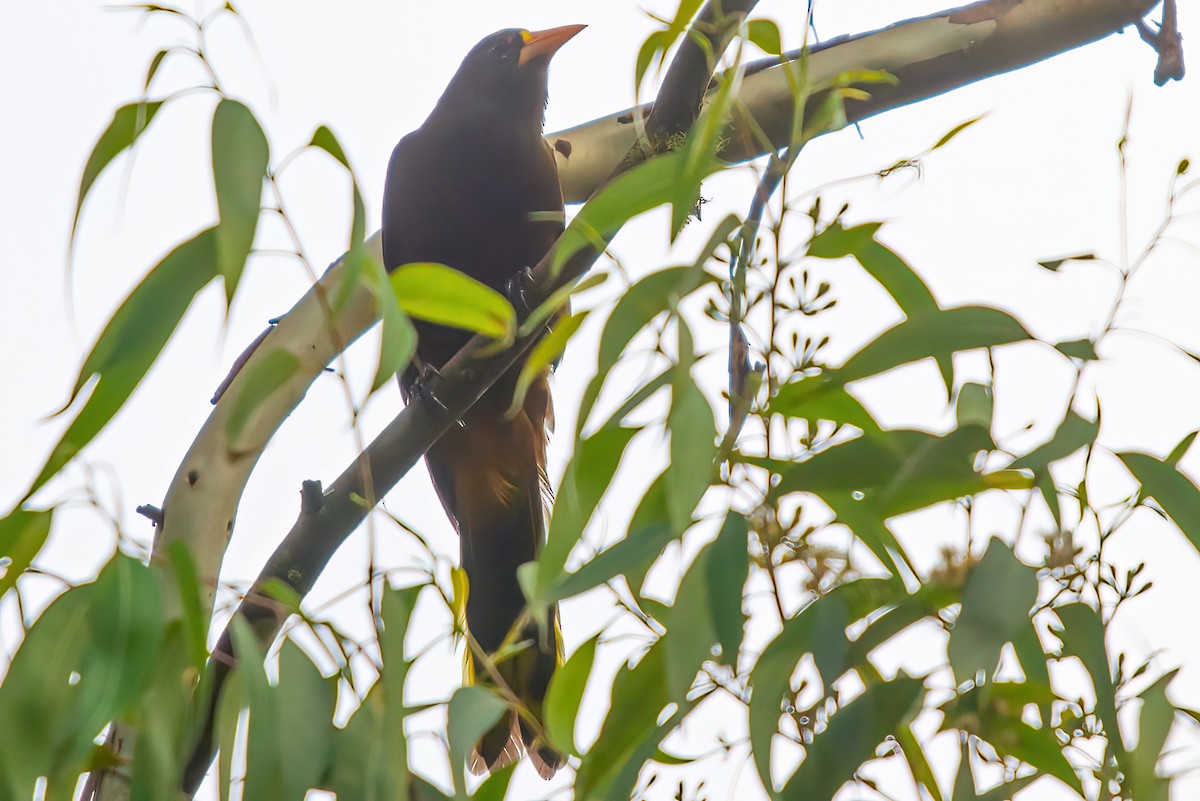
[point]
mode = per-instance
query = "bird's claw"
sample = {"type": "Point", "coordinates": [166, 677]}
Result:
{"type": "Point", "coordinates": [518, 289]}
{"type": "Point", "coordinates": [421, 387]}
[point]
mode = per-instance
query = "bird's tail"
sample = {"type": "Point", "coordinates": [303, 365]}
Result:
{"type": "Point", "coordinates": [490, 475]}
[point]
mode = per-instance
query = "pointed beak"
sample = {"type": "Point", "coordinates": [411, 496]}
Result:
{"type": "Point", "coordinates": [546, 43]}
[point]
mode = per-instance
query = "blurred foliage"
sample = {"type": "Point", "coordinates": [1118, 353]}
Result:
{"type": "Point", "coordinates": [787, 513]}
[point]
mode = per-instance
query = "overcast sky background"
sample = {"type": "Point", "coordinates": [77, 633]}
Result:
{"type": "Point", "coordinates": [1036, 179]}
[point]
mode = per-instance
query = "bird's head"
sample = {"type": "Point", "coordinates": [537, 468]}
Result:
{"type": "Point", "coordinates": [506, 75]}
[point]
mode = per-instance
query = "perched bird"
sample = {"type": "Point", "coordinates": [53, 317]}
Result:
{"type": "Point", "coordinates": [476, 188]}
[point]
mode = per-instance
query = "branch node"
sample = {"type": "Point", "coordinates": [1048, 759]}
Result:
{"type": "Point", "coordinates": [1167, 42]}
{"type": "Point", "coordinates": [312, 498]}
{"type": "Point", "coordinates": [152, 513]}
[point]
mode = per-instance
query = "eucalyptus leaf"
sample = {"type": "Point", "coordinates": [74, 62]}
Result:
{"type": "Point", "coordinates": [693, 437]}
{"type": "Point", "coordinates": [263, 377]}
{"type": "Point", "coordinates": [22, 535]}
{"type": "Point", "coordinates": [239, 160]}
{"type": "Point", "coordinates": [1175, 492]}
{"type": "Point", "coordinates": [997, 600]}
{"type": "Point", "coordinates": [1083, 635]}
{"type": "Point", "coordinates": [129, 122]}
{"type": "Point", "coordinates": [566, 693]}
{"type": "Point", "coordinates": [83, 662]}
{"type": "Point", "coordinates": [440, 294]}
{"type": "Point", "coordinates": [851, 737]}
{"type": "Point", "coordinates": [585, 481]}
{"type": "Point", "coordinates": [472, 712]}
{"type": "Point", "coordinates": [305, 709]}
{"type": "Point", "coordinates": [902, 283]}
{"type": "Point", "coordinates": [131, 342]}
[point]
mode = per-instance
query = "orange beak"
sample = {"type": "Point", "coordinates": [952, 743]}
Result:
{"type": "Point", "coordinates": [546, 43]}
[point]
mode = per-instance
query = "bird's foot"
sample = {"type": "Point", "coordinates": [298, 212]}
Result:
{"type": "Point", "coordinates": [421, 387]}
{"type": "Point", "coordinates": [518, 289]}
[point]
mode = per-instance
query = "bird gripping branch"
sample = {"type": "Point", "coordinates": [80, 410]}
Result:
{"type": "Point", "coordinates": [476, 187]}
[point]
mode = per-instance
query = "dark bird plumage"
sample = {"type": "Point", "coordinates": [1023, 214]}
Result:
{"type": "Point", "coordinates": [476, 188]}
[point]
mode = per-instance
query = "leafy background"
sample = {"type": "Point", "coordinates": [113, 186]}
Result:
{"type": "Point", "coordinates": [1037, 179]}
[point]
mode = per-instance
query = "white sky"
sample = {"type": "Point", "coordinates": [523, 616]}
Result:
{"type": "Point", "coordinates": [1036, 179]}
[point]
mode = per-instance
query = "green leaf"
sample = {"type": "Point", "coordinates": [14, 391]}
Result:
{"type": "Point", "coordinates": [566, 693]}
{"type": "Point", "coordinates": [693, 437]}
{"type": "Point", "coordinates": [655, 44]}
{"type": "Point", "coordinates": [964, 782]}
{"type": "Point", "coordinates": [1078, 349]}
{"type": "Point", "coordinates": [440, 294]}
{"type": "Point", "coordinates": [820, 626]}
{"type": "Point", "coordinates": [305, 708]}
{"type": "Point", "coordinates": [1007, 790]}
{"type": "Point", "coordinates": [229, 709]}
{"type": "Point", "coordinates": [265, 764]}
{"type": "Point", "coordinates": [1154, 724]}
{"type": "Point", "coordinates": [854, 732]}
{"type": "Point", "coordinates": [650, 531]}
{"type": "Point", "coordinates": [903, 470]}
{"type": "Point", "coordinates": [495, 787]}
{"type": "Point", "coordinates": [1032, 657]}
{"type": "Point", "coordinates": [934, 334]}
{"type": "Point", "coordinates": [700, 150]}
{"type": "Point", "coordinates": [22, 535]}
{"type": "Point", "coordinates": [586, 479]}
{"type": "Point", "coordinates": [727, 566]}
{"type": "Point", "coordinates": [128, 123]}
{"type": "Point", "coordinates": [937, 334]}
{"type": "Point", "coordinates": [1072, 434]}
{"type": "Point", "coordinates": [706, 613]}
{"type": "Point", "coordinates": [1083, 636]}
{"type": "Point", "coordinates": [1175, 492]}
{"type": "Point", "coordinates": [363, 762]}
{"type": "Point", "coordinates": [831, 402]}
{"type": "Point", "coordinates": [998, 596]}
{"type": "Point", "coordinates": [659, 42]}
{"type": "Point", "coordinates": [873, 478]}
{"type": "Point", "coordinates": [764, 33]}
{"type": "Point", "coordinates": [472, 712]}
{"type": "Point", "coordinates": [324, 139]}
{"type": "Point", "coordinates": [160, 718]}
{"type": "Point", "coordinates": [629, 734]}
{"type": "Point", "coordinates": [936, 469]}
{"type": "Point", "coordinates": [155, 63]}
{"type": "Point", "coordinates": [974, 405]}
{"type": "Point", "coordinates": [191, 601]}
{"type": "Point", "coordinates": [993, 713]}
{"type": "Point", "coordinates": [396, 610]}
{"type": "Point", "coordinates": [1180, 450]}
{"type": "Point", "coordinates": [399, 340]}
{"type": "Point", "coordinates": [263, 377]}
{"type": "Point", "coordinates": [1053, 264]}
{"type": "Point", "coordinates": [895, 612]}
{"type": "Point", "coordinates": [918, 763]}
{"type": "Point", "coordinates": [239, 160]}
{"type": "Point", "coordinates": [131, 342]}
{"type": "Point", "coordinates": [955, 131]}
{"type": "Point", "coordinates": [82, 663]}
{"type": "Point", "coordinates": [545, 354]}
{"type": "Point", "coordinates": [638, 306]}
{"type": "Point", "coordinates": [656, 181]}
{"type": "Point", "coordinates": [903, 284]}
